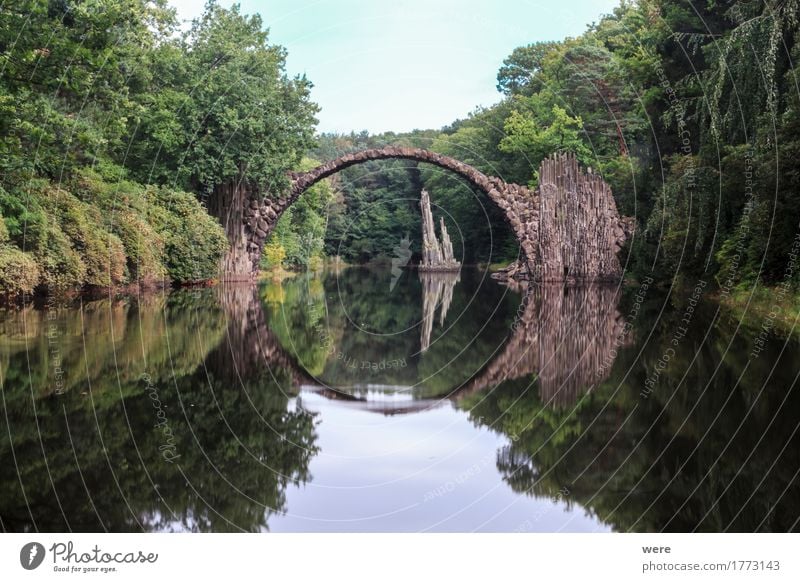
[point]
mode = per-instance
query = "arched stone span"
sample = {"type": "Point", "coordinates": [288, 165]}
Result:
{"type": "Point", "coordinates": [568, 229]}
{"type": "Point", "coordinates": [301, 181]}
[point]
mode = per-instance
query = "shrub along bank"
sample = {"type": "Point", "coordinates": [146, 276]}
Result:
{"type": "Point", "coordinates": [95, 233]}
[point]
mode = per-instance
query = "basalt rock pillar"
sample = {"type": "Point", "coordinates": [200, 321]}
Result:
{"type": "Point", "coordinates": [436, 256]}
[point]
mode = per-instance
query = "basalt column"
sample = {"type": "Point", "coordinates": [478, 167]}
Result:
{"type": "Point", "coordinates": [436, 256]}
{"type": "Point", "coordinates": [228, 205]}
{"type": "Point", "coordinates": [580, 230]}
{"type": "Point", "coordinates": [247, 217]}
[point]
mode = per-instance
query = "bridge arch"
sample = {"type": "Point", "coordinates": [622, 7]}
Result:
{"type": "Point", "coordinates": [301, 181]}
{"type": "Point", "coordinates": [568, 229]}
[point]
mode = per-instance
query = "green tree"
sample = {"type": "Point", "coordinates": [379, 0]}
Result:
{"type": "Point", "coordinates": [539, 129]}
{"type": "Point", "coordinates": [521, 69]}
{"type": "Point", "coordinates": [221, 108]}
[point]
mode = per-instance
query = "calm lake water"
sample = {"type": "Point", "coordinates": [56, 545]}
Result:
{"type": "Point", "coordinates": [363, 400]}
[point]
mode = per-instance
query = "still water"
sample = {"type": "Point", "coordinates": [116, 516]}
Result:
{"type": "Point", "coordinates": [362, 400]}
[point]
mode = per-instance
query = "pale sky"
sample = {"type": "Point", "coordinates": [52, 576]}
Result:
{"type": "Point", "coordinates": [404, 64]}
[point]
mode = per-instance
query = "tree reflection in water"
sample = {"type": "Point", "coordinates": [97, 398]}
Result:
{"type": "Point", "coordinates": [92, 458]}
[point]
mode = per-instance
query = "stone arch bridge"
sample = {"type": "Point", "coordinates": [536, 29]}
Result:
{"type": "Point", "coordinates": [568, 229]}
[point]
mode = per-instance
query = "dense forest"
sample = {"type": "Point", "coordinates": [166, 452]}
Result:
{"type": "Point", "coordinates": [120, 132]}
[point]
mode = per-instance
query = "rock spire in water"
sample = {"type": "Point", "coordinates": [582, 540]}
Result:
{"type": "Point", "coordinates": [436, 256]}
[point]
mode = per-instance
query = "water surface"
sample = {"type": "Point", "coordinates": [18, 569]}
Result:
{"type": "Point", "coordinates": [366, 401]}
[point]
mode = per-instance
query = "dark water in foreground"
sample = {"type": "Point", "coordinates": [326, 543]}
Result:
{"type": "Point", "coordinates": [362, 402]}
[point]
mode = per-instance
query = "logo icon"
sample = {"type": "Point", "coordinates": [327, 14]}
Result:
{"type": "Point", "coordinates": [402, 255]}
{"type": "Point", "coordinates": [31, 555]}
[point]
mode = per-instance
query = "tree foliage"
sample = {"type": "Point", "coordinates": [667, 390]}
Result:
{"type": "Point", "coordinates": [220, 108]}
{"type": "Point", "coordinates": [109, 116]}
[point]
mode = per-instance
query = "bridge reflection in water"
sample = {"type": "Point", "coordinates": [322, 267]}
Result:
{"type": "Point", "coordinates": [562, 338]}
{"type": "Point", "coordinates": [567, 336]}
